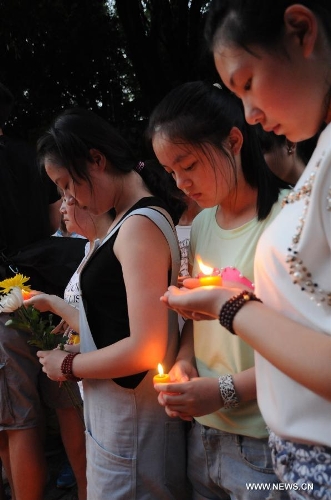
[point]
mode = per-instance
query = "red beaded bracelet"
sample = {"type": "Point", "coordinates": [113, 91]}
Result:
{"type": "Point", "coordinates": [66, 367]}
{"type": "Point", "coordinates": [232, 306]}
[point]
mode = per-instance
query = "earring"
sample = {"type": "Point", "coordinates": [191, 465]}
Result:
{"type": "Point", "coordinates": [290, 147]}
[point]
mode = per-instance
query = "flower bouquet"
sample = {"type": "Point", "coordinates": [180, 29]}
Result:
{"type": "Point", "coordinates": [28, 319]}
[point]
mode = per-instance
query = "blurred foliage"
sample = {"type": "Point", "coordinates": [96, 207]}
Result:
{"type": "Point", "coordinates": [118, 58]}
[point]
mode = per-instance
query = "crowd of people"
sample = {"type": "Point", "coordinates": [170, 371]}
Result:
{"type": "Point", "coordinates": [244, 167]}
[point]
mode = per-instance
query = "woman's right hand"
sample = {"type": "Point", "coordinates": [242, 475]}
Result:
{"type": "Point", "coordinates": [52, 362]}
{"type": "Point", "coordinates": [41, 301]}
{"type": "Point", "coordinates": [182, 371]}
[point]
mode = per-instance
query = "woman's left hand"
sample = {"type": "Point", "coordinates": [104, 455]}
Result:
{"type": "Point", "coordinates": [198, 302]}
{"type": "Point", "coordinates": [52, 361]}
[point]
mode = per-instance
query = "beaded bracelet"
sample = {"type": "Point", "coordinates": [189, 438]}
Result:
{"type": "Point", "coordinates": [232, 306]}
{"type": "Point", "coordinates": [228, 392]}
{"type": "Point", "coordinates": [66, 367]}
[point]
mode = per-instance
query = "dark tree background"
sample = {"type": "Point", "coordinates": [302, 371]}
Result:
{"type": "Point", "coordinates": [165, 44]}
{"type": "Point", "coordinates": [118, 58]}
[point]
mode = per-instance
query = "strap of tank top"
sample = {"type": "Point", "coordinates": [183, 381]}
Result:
{"type": "Point", "coordinates": [167, 229]}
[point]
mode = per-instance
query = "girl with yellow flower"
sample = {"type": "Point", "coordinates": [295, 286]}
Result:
{"type": "Point", "coordinates": [82, 222]}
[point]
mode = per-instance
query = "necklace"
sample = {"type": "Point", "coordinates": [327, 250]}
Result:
{"type": "Point", "coordinates": [300, 274]}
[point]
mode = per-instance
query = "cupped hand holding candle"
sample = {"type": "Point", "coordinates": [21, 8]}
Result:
{"type": "Point", "coordinates": [161, 378]}
{"type": "Point", "coordinates": [208, 276]}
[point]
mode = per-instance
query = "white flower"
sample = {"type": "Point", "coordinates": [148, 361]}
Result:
{"type": "Point", "coordinates": [11, 301]}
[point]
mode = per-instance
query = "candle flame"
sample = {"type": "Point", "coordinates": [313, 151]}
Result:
{"type": "Point", "coordinates": [160, 368]}
{"type": "Point", "coordinates": [206, 270]}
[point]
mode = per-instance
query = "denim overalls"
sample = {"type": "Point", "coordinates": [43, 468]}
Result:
{"type": "Point", "coordinates": [134, 450]}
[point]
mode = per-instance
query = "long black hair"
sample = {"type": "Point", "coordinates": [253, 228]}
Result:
{"type": "Point", "coordinates": [199, 113]}
{"type": "Point", "coordinates": [257, 22]}
{"type": "Point", "coordinates": [73, 134]}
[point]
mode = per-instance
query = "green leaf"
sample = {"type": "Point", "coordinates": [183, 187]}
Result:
{"type": "Point", "coordinates": [17, 325]}
{"type": "Point", "coordinates": [36, 343]}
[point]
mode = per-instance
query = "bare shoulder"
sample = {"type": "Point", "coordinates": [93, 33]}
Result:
{"type": "Point", "coordinates": [137, 234]}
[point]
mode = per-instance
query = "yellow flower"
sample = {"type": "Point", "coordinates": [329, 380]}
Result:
{"type": "Point", "coordinates": [17, 281]}
{"type": "Point", "coordinates": [74, 339]}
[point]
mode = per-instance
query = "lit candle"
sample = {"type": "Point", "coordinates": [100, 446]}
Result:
{"type": "Point", "coordinates": [161, 378]}
{"type": "Point", "coordinates": [210, 281]}
{"type": "Point", "coordinates": [26, 295]}
{"type": "Point", "coordinates": [208, 276]}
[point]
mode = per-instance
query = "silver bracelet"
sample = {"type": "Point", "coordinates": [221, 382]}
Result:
{"type": "Point", "coordinates": [228, 392]}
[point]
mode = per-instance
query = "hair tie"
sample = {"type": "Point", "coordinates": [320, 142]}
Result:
{"type": "Point", "coordinates": [138, 168]}
{"type": "Point", "coordinates": [218, 85]}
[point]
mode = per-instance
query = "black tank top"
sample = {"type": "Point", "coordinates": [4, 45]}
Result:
{"type": "Point", "coordinates": [104, 295]}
